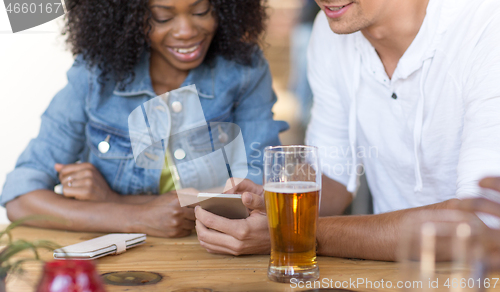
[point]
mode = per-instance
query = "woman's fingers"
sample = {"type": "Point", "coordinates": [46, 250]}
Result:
{"type": "Point", "coordinates": [80, 175]}
{"type": "Point", "coordinates": [218, 223]}
{"type": "Point", "coordinates": [217, 249]}
{"type": "Point", "coordinates": [75, 171]}
{"type": "Point", "coordinates": [188, 224]}
{"type": "Point", "coordinates": [239, 186]}
{"type": "Point", "coordinates": [75, 167]}
{"type": "Point", "coordinates": [189, 214]}
{"type": "Point", "coordinates": [77, 193]}
{"type": "Point", "coordinates": [58, 167]}
{"type": "Point", "coordinates": [85, 183]}
{"type": "Point", "coordinates": [217, 242]}
{"type": "Point", "coordinates": [254, 202]}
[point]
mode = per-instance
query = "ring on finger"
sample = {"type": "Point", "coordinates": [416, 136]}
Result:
{"type": "Point", "coordinates": [70, 181]}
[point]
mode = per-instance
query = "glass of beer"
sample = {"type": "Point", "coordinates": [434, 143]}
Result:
{"type": "Point", "coordinates": [292, 189]}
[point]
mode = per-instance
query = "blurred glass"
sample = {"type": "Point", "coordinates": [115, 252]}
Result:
{"type": "Point", "coordinates": [441, 251]}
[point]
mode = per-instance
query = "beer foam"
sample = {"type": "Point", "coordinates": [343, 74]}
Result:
{"type": "Point", "coordinates": [292, 187]}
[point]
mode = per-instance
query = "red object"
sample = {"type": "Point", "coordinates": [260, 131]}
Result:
{"type": "Point", "coordinates": [70, 276]}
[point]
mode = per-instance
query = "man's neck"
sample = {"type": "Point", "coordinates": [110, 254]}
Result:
{"type": "Point", "coordinates": [393, 34]}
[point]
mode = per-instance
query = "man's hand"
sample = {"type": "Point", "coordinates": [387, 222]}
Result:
{"type": "Point", "coordinates": [164, 217]}
{"type": "Point", "coordinates": [492, 237]}
{"type": "Point", "coordinates": [84, 182]}
{"type": "Point", "coordinates": [492, 183]}
{"type": "Point", "coordinates": [244, 236]}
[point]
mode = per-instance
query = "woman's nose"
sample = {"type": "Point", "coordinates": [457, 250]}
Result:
{"type": "Point", "coordinates": [184, 29]}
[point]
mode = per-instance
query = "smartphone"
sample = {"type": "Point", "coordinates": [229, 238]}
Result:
{"type": "Point", "coordinates": [225, 205]}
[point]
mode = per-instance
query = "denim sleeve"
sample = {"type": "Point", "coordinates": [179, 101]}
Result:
{"type": "Point", "coordinates": [253, 114]}
{"type": "Point", "coordinates": [60, 140]}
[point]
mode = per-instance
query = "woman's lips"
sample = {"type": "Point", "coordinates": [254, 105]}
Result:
{"type": "Point", "coordinates": [336, 11]}
{"type": "Point", "coordinates": [186, 54]}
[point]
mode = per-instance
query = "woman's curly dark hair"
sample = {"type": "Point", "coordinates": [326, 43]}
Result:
{"type": "Point", "coordinates": [113, 34]}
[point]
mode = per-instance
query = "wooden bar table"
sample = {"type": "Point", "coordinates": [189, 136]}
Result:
{"type": "Point", "coordinates": [185, 266]}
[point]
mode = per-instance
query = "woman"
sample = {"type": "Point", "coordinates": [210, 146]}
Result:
{"type": "Point", "coordinates": [128, 52]}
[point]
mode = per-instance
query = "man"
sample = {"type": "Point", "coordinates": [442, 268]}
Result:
{"type": "Point", "coordinates": [414, 80]}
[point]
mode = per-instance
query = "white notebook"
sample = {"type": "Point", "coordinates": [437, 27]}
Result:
{"type": "Point", "coordinates": [115, 243]}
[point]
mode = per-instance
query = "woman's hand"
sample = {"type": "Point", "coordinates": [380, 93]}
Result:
{"type": "Point", "coordinates": [244, 236]}
{"type": "Point", "coordinates": [84, 182]}
{"type": "Point", "coordinates": [164, 217]}
{"type": "Point", "coordinates": [492, 237]}
{"type": "Point", "coordinates": [240, 186]}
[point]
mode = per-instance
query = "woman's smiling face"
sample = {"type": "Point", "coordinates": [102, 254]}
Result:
{"type": "Point", "coordinates": [182, 31]}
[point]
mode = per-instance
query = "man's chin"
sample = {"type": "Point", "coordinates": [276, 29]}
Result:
{"type": "Point", "coordinates": [343, 29]}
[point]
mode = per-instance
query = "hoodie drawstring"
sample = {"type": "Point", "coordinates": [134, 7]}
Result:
{"type": "Point", "coordinates": [353, 179]}
{"type": "Point", "coordinates": [417, 128]}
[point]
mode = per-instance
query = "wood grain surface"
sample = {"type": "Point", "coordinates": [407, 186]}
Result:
{"type": "Point", "coordinates": [186, 266]}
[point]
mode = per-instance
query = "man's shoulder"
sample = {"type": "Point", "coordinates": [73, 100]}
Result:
{"type": "Point", "coordinates": [461, 14]}
{"type": "Point", "coordinates": [489, 7]}
{"type": "Point", "coordinates": [488, 11]}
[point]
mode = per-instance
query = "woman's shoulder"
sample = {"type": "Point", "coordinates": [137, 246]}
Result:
{"type": "Point", "coordinates": [85, 73]}
{"type": "Point", "coordinates": [81, 72]}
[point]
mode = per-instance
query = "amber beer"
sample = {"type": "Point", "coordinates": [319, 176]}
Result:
{"type": "Point", "coordinates": [292, 210]}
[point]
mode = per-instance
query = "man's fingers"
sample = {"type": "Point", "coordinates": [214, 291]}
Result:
{"type": "Point", "coordinates": [253, 202]}
{"type": "Point", "coordinates": [480, 205]}
{"type": "Point", "coordinates": [491, 183]}
{"type": "Point", "coordinates": [494, 261]}
{"type": "Point", "coordinates": [212, 221]}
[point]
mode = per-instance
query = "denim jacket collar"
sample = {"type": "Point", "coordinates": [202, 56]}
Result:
{"type": "Point", "coordinates": [142, 82]}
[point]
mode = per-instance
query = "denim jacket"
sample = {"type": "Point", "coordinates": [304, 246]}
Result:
{"type": "Point", "coordinates": [86, 112]}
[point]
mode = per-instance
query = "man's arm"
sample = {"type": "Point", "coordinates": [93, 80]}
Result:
{"type": "Point", "coordinates": [334, 197]}
{"type": "Point", "coordinates": [372, 237]}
